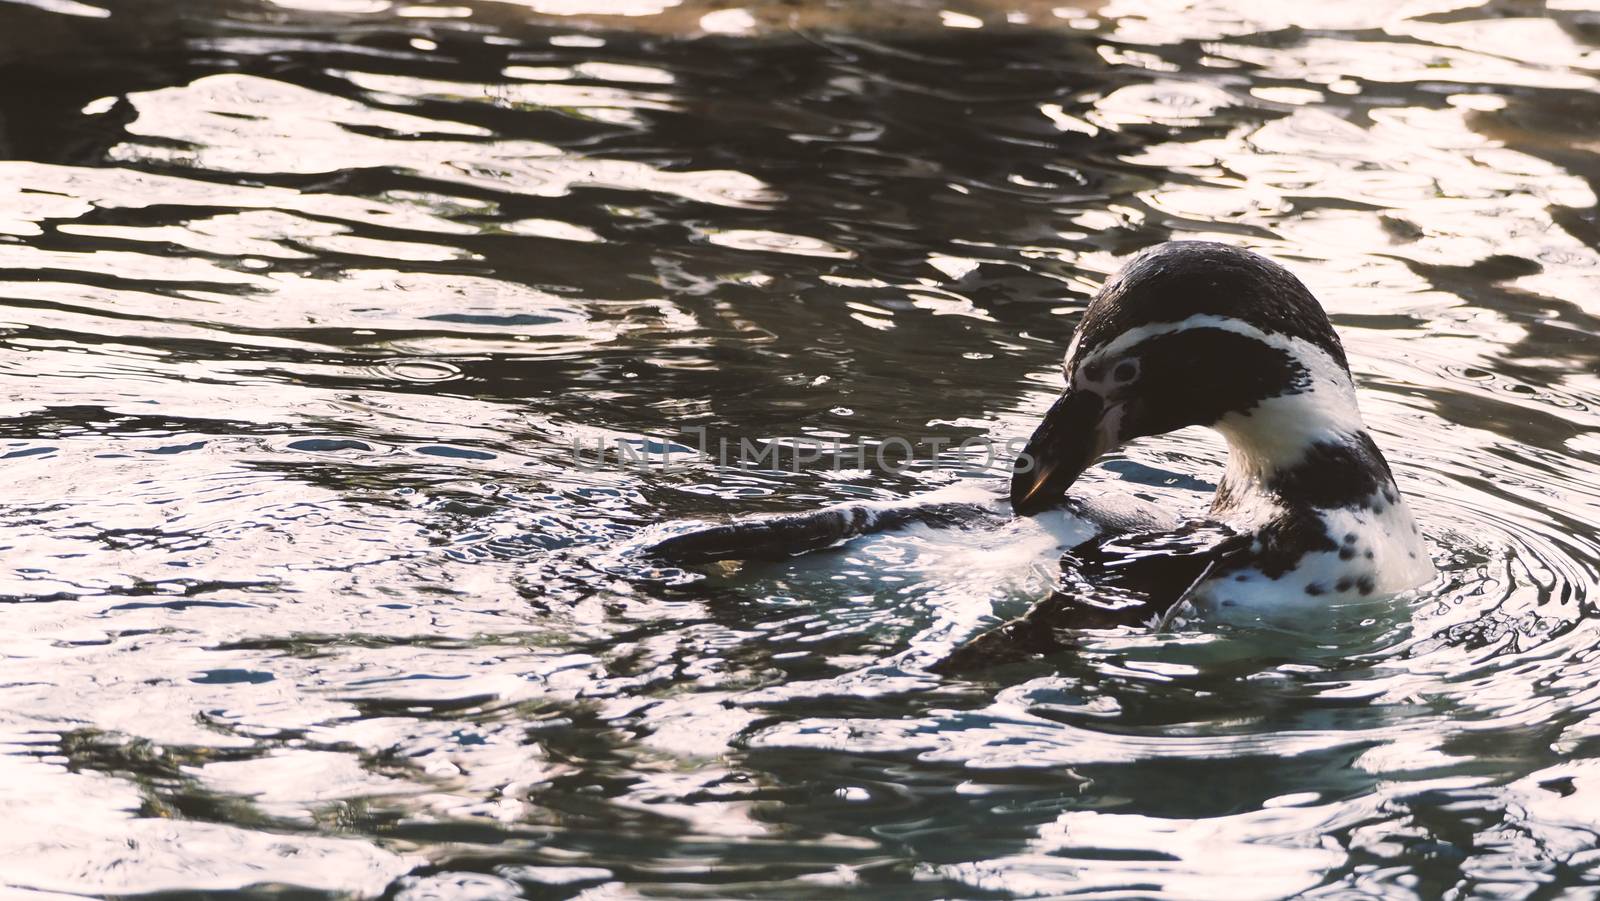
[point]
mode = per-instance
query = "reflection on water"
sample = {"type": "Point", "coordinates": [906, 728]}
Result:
{"type": "Point", "coordinates": [306, 303]}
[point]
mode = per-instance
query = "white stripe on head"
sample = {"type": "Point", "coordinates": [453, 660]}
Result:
{"type": "Point", "coordinates": [1072, 347]}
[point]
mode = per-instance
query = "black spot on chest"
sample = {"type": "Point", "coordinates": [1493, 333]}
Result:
{"type": "Point", "coordinates": [1282, 543]}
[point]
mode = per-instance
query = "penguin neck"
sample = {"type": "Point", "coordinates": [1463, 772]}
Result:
{"type": "Point", "coordinates": [1299, 452]}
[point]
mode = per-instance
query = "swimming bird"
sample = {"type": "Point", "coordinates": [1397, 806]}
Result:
{"type": "Point", "coordinates": [1188, 333]}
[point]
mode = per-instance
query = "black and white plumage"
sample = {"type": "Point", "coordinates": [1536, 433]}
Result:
{"type": "Point", "coordinates": [1195, 333]}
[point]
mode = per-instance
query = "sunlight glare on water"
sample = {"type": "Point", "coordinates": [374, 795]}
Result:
{"type": "Point", "coordinates": [307, 301]}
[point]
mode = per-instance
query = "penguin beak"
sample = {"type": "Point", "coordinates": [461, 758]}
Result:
{"type": "Point", "coordinates": [1079, 427]}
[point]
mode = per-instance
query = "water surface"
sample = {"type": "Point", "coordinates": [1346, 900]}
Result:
{"type": "Point", "coordinates": [305, 305]}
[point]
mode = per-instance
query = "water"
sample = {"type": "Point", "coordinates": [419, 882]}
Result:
{"type": "Point", "coordinates": [306, 303]}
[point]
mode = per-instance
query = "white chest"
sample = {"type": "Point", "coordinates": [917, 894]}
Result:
{"type": "Point", "coordinates": [1379, 553]}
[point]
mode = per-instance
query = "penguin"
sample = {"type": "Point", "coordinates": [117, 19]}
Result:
{"type": "Point", "coordinates": [1188, 333]}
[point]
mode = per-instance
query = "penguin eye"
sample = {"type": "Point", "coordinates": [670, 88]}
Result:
{"type": "Point", "coordinates": [1126, 371]}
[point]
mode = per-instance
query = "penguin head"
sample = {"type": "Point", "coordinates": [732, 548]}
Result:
{"type": "Point", "coordinates": [1192, 333]}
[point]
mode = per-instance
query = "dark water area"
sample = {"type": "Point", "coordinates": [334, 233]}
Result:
{"type": "Point", "coordinates": [306, 305]}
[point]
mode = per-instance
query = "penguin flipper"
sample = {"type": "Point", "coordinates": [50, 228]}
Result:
{"type": "Point", "coordinates": [1124, 580]}
{"type": "Point", "coordinates": [786, 535]}
{"type": "Point", "coordinates": [779, 536]}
